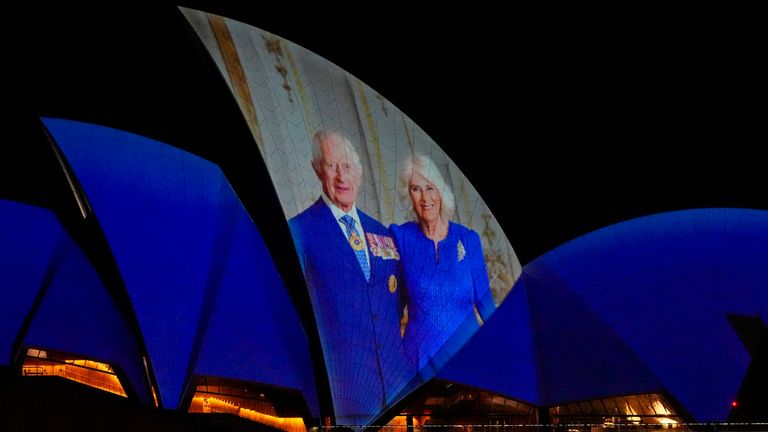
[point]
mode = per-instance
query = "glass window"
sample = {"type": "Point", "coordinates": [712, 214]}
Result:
{"type": "Point", "coordinates": [598, 407]}
{"type": "Point", "coordinates": [632, 409]}
{"type": "Point", "coordinates": [251, 401]}
{"type": "Point", "coordinates": [585, 408]}
{"type": "Point", "coordinates": [68, 366]}
{"type": "Point", "coordinates": [610, 406]}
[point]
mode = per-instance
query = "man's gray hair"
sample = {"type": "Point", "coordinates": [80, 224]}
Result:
{"type": "Point", "coordinates": [418, 163]}
{"type": "Point", "coordinates": [324, 135]}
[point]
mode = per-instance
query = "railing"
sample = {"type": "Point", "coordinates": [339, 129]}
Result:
{"type": "Point", "coordinates": [33, 371]}
{"type": "Point", "coordinates": [91, 381]}
{"type": "Point", "coordinates": [562, 427]}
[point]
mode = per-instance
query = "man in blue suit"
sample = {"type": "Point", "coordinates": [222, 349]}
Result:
{"type": "Point", "coordinates": [350, 265]}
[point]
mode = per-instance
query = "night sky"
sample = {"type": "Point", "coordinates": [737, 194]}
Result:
{"type": "Point", "coordinates": [566, 118]}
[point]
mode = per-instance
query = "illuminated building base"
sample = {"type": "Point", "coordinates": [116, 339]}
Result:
{"type": "Point", "coordinates": [88, 372]}
{"type": "Point", "coordinates": [264, 405]}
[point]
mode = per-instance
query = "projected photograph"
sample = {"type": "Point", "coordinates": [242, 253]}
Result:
{"type": "Point", "coordinates": [402, 259]}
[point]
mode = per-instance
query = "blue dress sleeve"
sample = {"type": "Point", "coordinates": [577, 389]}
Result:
{"type": "Point", "coordinates": [394, 229]}
{"type": "Point", "coordinates": [481, 286]}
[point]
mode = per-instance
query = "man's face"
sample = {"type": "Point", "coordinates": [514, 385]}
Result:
{"type": "Point", "coordinates": [338, 173]}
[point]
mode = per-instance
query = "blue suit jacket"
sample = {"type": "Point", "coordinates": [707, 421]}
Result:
{"type": "Point", "coordinates": [358, 320]}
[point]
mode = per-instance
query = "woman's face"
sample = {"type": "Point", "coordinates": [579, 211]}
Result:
{"type": "Point", "coordinates": [426, 199]}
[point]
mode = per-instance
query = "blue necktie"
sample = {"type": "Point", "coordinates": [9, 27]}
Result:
{"type": "Point", "coordinates": [357, 244]}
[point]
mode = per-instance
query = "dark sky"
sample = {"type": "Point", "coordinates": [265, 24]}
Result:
{"type": "Point", "coordinates": [566, 118]}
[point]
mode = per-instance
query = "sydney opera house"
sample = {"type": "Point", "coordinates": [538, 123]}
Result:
{"type": "Point", "coordinates": [208, 225]}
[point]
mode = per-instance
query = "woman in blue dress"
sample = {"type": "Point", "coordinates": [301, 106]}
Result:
{"type": "Point", "coordinates": [442, 267]}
